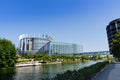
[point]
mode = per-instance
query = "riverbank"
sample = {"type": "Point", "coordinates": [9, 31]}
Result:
{"type": "Point", "coordinates": [27, 64]}
{"type": "Point", "coordinates": [24, 64]}
{"type": "Point", "coordinates": [56, 62]}
{"type": "Point", "coordinates": [44, 71]}
{"type": "Point", "coordinates": [76, 61]}
{"type": "Point", "coordinates": [86, 73]}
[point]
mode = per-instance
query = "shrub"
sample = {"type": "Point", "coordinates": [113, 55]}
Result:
{"type": "Point", "coordinates": [86, 73]}
{"type": "Point", "coordinates": [7, 54]}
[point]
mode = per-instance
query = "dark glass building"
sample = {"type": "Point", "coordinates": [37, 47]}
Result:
{"type": "Point", "coordinates": [112, 28]}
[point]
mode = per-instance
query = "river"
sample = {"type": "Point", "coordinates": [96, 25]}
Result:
{"type": "Point", "coordinates": [46, 71]}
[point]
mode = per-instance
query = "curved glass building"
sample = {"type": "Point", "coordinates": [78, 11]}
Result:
{"type": "Point", "coordinates": [112, 28]}
{"type": "Point", "coordinates": [29, 44]}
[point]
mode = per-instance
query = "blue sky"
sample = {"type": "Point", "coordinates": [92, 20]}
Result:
{"type": "Point", "coordinates": [76, 21]}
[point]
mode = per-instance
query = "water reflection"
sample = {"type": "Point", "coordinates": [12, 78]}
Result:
{"type": "Point", "coordinates": [46, 71]}
{"type": "Point", "coordinates": [7, 74]}
{"type": "Point", "coordinates": [41, 72]}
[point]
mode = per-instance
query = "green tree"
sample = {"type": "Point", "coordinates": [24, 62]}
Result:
{"type": "Point", "coordinates": [116, 46]}
{"type": "Point", "coordinates": [44, 57]}
{"type": "Point", "coordinates": [54, 57]}
{"type": "Point", "coordinates": [7, 54]}
{"type": "Point", "coordinates": [29, 56]}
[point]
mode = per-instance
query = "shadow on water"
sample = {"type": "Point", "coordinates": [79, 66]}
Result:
{"type": "Point", "coordinates": [7, 74]}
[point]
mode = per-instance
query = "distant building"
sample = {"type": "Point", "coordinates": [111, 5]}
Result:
{"type": "Point", "coordinates": [30, 44]}
{"type": "Point", "coordinates": [112, 28]}
{"type": "Point", "coordinates": [61, 48]}
{"type": "Point", "coordinates": [95, 53]}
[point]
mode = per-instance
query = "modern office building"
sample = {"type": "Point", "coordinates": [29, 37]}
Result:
{"type": "Point", "coordinates": [30, 44]}
{"type": "Point", "coordinates": [61, 48]}
{"type": "Point", "coordinates": [112, 28]}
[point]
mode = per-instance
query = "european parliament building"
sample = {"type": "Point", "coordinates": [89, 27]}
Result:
{"type": "Point", "coordinates": [45, 44]}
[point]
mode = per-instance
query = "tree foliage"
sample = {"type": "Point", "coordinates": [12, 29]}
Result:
{"type": "Point", "coordinates": [43, 56]}
{"type": "Point", "coordinates": [116, 46]}
{"type": "Point", "coordinates": [7, 54]}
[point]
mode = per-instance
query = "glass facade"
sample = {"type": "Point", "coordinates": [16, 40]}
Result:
{"type": "Point", "coordinates": [32, 44]}
{"type": "Point", "coordinates": [112, 28]}
{"type": "Point", "coordinates": [62, 48]}
{"type": "Point", "coordinates": [46, 45]}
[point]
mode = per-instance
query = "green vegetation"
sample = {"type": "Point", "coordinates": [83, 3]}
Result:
{"type": "Point", "coordinates": [39, 57]}
{"type": "Point", "coordinates": [7, 54]}
{"type": "Point", "coordinates": [7, 73]}
{"type": "Point", "coordinates": [116, 46]}
{"type": "Point", "coordinates": [87, 73]}
{"type": "Point", "coordinates": [45, 58]}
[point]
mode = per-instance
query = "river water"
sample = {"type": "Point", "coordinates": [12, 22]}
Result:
{"type": "Point", "coordinates": [46, 71]}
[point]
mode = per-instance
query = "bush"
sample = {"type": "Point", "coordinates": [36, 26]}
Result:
{"type": "Point", "coordinates": [7, 73]}
{"type": "Point", "coordinates": [7, 54]}
{"type": "Point", "coordinates": [87, 73]}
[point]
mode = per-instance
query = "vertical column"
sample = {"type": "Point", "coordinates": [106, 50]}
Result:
{"type": "Point", "coordinates": [25, 44]}
{"type": "Point", "coordinates": [30, 44]}
{"type": "Point", "coordinates": [116, 26]}
{"type": "Point", "coordinates": [22, 46]}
